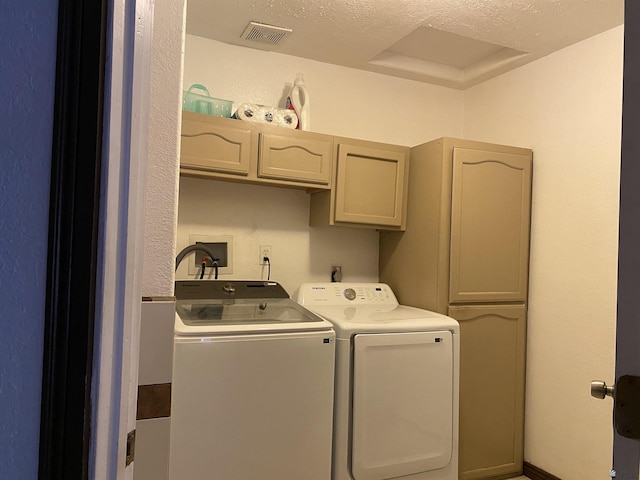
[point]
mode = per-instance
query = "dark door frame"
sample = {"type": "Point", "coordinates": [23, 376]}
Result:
{"type": "Point", "coordinates": [626, 452]}
{"type": "Point", "coordinates": [65, 428]}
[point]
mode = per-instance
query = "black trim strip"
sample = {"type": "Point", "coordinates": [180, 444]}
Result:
{"type": "Point", "coordinates": [534, 473]}
{"type": "Point", "coordinates": [73, 237]}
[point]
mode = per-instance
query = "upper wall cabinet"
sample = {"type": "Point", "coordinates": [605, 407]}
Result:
{"type": "Point", "coordinates": [227, 149]}
{"type": "Point", "coordinates": [212, 146]}
{"type": "Point", "coordinates": [304, 157]}
{"type": "Point", "coordinates": [370, 187]}
{"type": "Point", "coordinates": [353, 182]}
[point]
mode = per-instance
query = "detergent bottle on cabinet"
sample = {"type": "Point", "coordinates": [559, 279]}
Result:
{"type": "Point", "coordinates": [298, 101]}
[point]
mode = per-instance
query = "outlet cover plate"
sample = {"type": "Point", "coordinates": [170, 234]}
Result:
{"type": "Point", "coordinates": [265, 251]}
{"type": "Point", "coordinates": [195, 269]}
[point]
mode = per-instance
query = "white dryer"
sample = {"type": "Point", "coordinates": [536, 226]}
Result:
{"type": "Point", "coordinates": [396, 391]}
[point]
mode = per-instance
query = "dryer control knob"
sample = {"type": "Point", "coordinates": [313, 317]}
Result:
{"type": "Point", "coordinates": [349, 294]}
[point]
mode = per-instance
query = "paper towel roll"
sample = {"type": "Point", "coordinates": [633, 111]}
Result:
{"type": "Point", "coordinates": [281, 117]}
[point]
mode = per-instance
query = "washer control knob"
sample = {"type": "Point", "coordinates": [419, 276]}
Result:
{"type": "Point", "coordinates": [349, 293]}
{"type": "Point", "coordinates": [229, 288]}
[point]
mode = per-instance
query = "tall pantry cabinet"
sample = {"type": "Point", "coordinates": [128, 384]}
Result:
{"type": "Point", "coordinates": [465, 253]}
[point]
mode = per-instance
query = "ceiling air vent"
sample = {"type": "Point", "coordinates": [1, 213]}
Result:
{"type": "Point", "coordinates": [263, 33]}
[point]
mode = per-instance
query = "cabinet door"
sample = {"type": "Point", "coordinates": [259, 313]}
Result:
{"type": "Point", "coordinates": [370, 185]}
{"type": "Point", "coordinates": [296, 159]}
{"type": "Point", "coordinates": [490, 217]}
{"type": "Point", "coordinates": [492, 368]}
{"type": "Point", "coordinates": [211, 147]}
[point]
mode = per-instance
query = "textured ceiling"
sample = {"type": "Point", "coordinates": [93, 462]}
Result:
{"type": "Point", "coordinates": [457, 43]}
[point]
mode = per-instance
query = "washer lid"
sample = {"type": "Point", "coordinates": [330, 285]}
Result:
{"type": "Point", "coordinates": [348, 320]}
{"type": "Point", "coordinates": [231, 316]}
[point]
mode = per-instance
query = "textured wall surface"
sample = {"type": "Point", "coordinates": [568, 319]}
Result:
{"type": "Point", "coordinates": [27, 63]}
{"type": "Point", "coordinates": [567, 107]}
{"type": "Point", "coordinates": [161, 194]}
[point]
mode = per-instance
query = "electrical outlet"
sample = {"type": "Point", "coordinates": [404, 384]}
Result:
{"type": "Point", "coordinates": [265, 251]}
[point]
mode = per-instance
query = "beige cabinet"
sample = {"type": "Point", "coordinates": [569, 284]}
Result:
{"type": "Point", "coordinates": [212, 145]}
{"type": "Point", "coordinates": [490, 216]}
{"type": "Point", "coordinates": [299, 158]}
{"type": "Point", "coordinates": [228, 149]}
{"type": "Point", "coordinates": [467, 235]}
{"type": "Point", "coordinates": [492, 354]}
{"type": "Point", "coordinates": [466, 249]}
{"type": "Point", "coordinates": [370, 187]}
{"type": "Point", "coordinates": [352, 182]}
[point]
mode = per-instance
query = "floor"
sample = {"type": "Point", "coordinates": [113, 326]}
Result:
{"type": "Point", "coordinates": [520, 478]}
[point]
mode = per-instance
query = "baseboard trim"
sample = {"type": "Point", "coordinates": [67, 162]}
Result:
{"type": "Point", "coordinates": [535, 473]}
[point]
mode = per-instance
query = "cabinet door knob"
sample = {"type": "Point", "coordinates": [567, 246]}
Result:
{"type": "Point", "coordinates": [599, 389]}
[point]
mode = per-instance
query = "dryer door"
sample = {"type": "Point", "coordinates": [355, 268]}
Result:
{"type": "Point", "coordinates": [402, 404]}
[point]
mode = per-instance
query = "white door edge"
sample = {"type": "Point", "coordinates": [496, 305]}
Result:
{"type": "Point", "coordinates": [121, 224]}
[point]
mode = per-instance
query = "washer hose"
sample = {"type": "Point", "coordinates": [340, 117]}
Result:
{"type": "Point", "coordinates": [192, 248]}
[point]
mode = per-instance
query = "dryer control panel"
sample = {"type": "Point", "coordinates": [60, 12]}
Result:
{"type": "Point", "coordinates": [336, 293]}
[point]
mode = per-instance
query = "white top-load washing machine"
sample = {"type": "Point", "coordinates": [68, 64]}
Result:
{"type": "Point", "coordinates": [252, 392]}
{"type": "Point", "coordinates": [396, 393]}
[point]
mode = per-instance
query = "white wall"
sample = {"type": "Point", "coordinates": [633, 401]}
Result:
{"type": "Point", "coordinates": [161, 204]}
{"type": "Point", "coordinates": [256, 215]}
{"type": "Point", "coordinates": [161, 194]}
{"type": "Point", "coordinates": [344, 102]}
{"type": "Point", "coordinates": [567, 108]}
